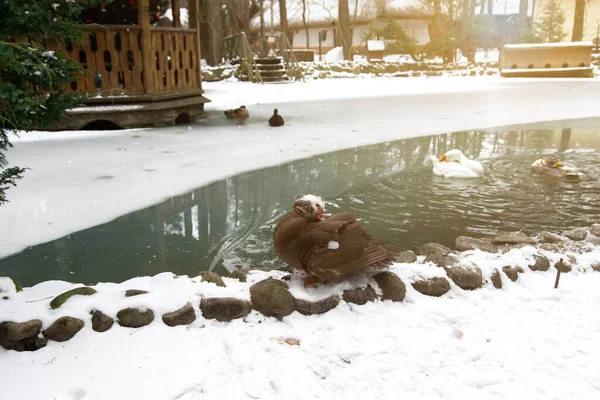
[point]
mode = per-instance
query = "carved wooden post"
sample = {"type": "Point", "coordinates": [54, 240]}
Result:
{"type": "Point", "coordinates": [175, 7]}
{"type": "Point", "coordinates": [144, 21]}
{"type": "Point", "coordinates": [194, 24]}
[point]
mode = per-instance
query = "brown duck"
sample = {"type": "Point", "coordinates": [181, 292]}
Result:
{"type": "Point", "coordinates": [238, 113]}
{"type": "Point", "coordinates": [325, 248]}
{"type": "Point", "coordinates": [276, 119]}
{"type": "Point", "coordinates": [554, 168]}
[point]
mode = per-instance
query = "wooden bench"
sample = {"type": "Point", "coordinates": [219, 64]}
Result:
{"type": "Point", "coordinates": [547, 60]}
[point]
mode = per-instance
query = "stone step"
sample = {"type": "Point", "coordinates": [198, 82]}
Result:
{"type": "Point", "coordinates": [268, 60]}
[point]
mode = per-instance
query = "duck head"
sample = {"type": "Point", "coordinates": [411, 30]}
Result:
{"type": "Point", "coordinates": [452, 155]}
{"type": "Point", "coordinates": [310, 206]}
{"type": "Point", "coordinates": [548, 162]}
{"type": "Point", "coordinates": [275, 112]}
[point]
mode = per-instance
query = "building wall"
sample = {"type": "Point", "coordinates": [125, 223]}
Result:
{"type": "Point", "coordinates": [415, 28]}
{"type": "Point", "coordinates": [592, 18]}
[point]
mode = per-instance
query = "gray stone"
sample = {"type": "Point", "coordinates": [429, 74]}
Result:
{"type": "Point", "coordinates": [240, 274]}
{"type": "Point", "coordinates": [184, 316]}
{"type": "Point", "coordinates": [549, 237]}
{"type": "Point", "coordinates": [15, 331]}
{"type": "Point", "coordinates": [18, 286]}
{"type": "Point", "coordinates": [512, 238]}
{"type": "Point", "coordinates": [541, 263]}
{"type": "Point", "coordinates": [407, 257]}
{"type": "Point", "coordinates": [134, 318]}
{"type": "Point", "coordinates": [512, 272]}
{"type": "Point", "coordinates": [61, 298]}
{"type": "Point", "coordinates": [135, 292]}
{"type": "Point", "coordinates": [212, 277]}
{"type": "Point", "coordinates": [272, 298]}
{"type": "Point", "coordinates": [595, 230]}
{"type": "Point", "coordinates": [566, 266]}
{"type": "Point", "coordinates": [100, 321]}
{"type": "Point", "coordinates": [464, 243]}
{"type": "Point", "coordinates": [63, 329]}
{"type": "Point", "coordinates": [224, 309]}
{"type": "Point", "coordinates": [496, 279]}
{"type": "Point", "coordinates": [442, 260]}
{"type": "Point", "coordinates": [555, 248]}
{"type": "Point", "coordinates": [576, 234]}
{"type": "Point", "coordinates": [317, 307]}
{"type": "Point", "coordinates": [429, 249]}
{"type": "Point", "coordinates": [465, 277]}
{"type": "Point", "coordinates": [360, 296]}
{"type": "Point", "coordinates": [596, 267]}
{"type": "Point", "coordinates": [432, 286]}
{"type": "Point", "coordinates": [391, 285]}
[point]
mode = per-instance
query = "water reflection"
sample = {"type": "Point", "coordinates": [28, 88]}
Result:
{"type": "Point", "coordinates": [230, 222]}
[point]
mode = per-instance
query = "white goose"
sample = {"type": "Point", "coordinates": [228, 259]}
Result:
{"type": "Point", "coordinates": [454, 164]}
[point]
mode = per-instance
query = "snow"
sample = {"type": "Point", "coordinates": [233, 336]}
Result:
{"type": "Point", "coordinates": [62, 193]}
{"type": "Point", "coordinates": [183, 16]}
{"type": "Point", "coordinates": [375, 45]}
{"type": "Point", "coordinates": [526, 340]}
{"type": "Point", "coordinates": [548, 45]}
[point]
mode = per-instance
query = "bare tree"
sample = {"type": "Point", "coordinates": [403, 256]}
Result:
{"type": "Point", "coordinates": [305, 23]}
{"type": "Point", "coordinates": [523, 6]}
{"type": "Point", "coordinates": [345, 31]}
{"type": "Point", "coordinates": [578, 21]}
{"type": "Point", "coordinates": [283, 23]}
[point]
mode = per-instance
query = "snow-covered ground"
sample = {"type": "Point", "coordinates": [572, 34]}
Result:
{"type": "Point", "coordinates": [81, 179]}
{"type": "Point", "coordinates": [525, 341]}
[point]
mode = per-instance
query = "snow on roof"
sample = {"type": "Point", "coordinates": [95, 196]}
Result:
{"type": "Point", "coordinates": [375, 45]}
{"type": "Point", "coordinates": [326, 11]}
{"type": "Point", "coordinates": [548, 45]}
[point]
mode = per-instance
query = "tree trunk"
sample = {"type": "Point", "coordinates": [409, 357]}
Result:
{"type": "Point", "coordinates": [245, 14]}
{"type": "Point", "coordinates": [305, 23]}
{"type": "Point", "coordinates": [212, 32]}
{"type": "Point", "coordinates": [578, 21]}
{"type": "Point", "coordinates": [523, 5]}
{"type": "Point", "coordinates": [437, 18]}
{"type": "Point", "coordinates": [344, 24]}
{"type": "Point", "coordinates": [283, 19]}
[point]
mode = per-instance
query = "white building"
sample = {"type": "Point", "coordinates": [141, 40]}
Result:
{"type": "Point", "coordinates": [322, 15]}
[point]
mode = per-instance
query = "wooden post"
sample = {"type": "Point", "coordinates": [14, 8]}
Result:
{"type": "Point", "coordinates": [194, 24]}
{"type": "Point", "coordinates": [175, 8]}
{"type": "Point", "coordinates": [144, 21]}
{"type": "Point", "coordinates": [559, 268]}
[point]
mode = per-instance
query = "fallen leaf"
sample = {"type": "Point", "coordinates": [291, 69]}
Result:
{"type": "Point", "coordinates": [288, 340]}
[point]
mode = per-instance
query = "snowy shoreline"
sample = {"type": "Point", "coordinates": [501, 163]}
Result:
{"type": "Point", "coordinates": [99, 176]}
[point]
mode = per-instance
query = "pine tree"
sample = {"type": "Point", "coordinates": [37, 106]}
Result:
{"type": "Point", "coordinates": [33, 78]}
{"type": "Point", "coordinates": [550, 27]}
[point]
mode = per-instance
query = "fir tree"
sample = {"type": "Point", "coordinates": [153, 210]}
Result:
{"type": "Point", "coordinates": [32, 77]}
{"type": "Point", "coordinates": [550, 27]}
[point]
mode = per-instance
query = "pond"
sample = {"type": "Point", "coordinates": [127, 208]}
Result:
{"type": "Point", "coordinates": [229, 223]}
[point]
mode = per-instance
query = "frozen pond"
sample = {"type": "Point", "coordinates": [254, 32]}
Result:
{"type": "Point", "coordinates": [230, 222]}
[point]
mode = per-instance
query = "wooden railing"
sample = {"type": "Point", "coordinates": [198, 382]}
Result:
{"type": "Point", "coordinates": [113, 57]}
{"type": "Point", "coordinates": [237, 49]}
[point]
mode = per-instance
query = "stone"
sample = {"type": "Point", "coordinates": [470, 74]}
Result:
{"type": "Point", "coordinates": [317, 307]}
{"type": "Point", "coordinates": [359, 296]}
{"type": "Point", "coordinates": [595, 230]}
{"type": "Point", "coordinates": [391, 285]}
{"type": "Point", "coordinates": [512, 238]}
{"type": "Point", "coordinates": [184, 316]}
{"type": "Point", "coordinates": [432, 286]}
{"type": "Point", "coordinates": [596, 267]}
{"type": "Point", "coordinates": [336, 68]}
{"type": "Point", "coordinates": [61, 298]}
{"type": "Point", "coordinates": [442, 260]}
{"type": "Point", "coordinates": [212, 277]}
{"type": "Point", "coordinates": [549, 237]}
{"type": "Point", "coordinates": [356, 69]}
{"type": "Point", "coordinates": [511, 272]}
{"type": "Point", "coordinates": [465, 277]}
{"type": "Point", "coordinates": [15, 331]}
{"type": "Point", "coordinates": [134, 292]}
{"type": "Point", "coordinates": [541, 263]}
{"type": "Point", "coordinates": [429, 249]}
{"type": "Point", "coordinates": [576, 234]}
{"type": "Point", "coordinates": [407, 257]}
{"type": "Point", "coordinates": [63, 329]}
{"type": "Point", "coordinates": [566, 266]}
{"type": "Point", "coordinates": [272, 298]}
{"type": "Point", "coordinates": [240, 274]}
{"type": "Point", "coordinates": [224, 309]}
{"type": "Point", "coordinates": [555, 248]}
{"type": "Point", "coordinates": [464, 243]}
{"type": "Point", "coordinates": [19, 288]}
{"type": "Point", "coordinates": [496, 279]}
{"type": "Point", "coordinates": [100, 321]}
{"type": "Point", "coordinates": [135, 318]}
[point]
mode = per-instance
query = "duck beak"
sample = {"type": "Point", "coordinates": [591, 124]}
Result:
{"type": "Point", "coordinates": [559, 164]}
{"type": "Point", "coordinates": [442, 159]}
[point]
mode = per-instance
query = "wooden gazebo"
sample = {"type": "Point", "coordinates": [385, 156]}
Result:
{"type": "Point", "coordinates": [139, 75]}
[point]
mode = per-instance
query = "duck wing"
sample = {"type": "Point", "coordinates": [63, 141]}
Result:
{"type": "Point", "coordinates": [357, 250]}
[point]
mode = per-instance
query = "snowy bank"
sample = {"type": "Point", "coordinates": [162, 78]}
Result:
{"type": "Point", "coordinates": [81, 179]}
{"type": "Point", "coordinates": [512, 337]}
